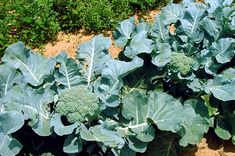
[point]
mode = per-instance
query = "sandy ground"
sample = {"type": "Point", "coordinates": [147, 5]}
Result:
{"type": "Point", "coordinates": [208, 147]}
{"type": "Point", "coordinates": [69, 42]}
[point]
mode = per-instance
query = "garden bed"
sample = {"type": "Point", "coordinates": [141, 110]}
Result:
{"type": "Point", "coordinates": [210, 144]}
{"type": "Point", "coordinates": [169, 92]}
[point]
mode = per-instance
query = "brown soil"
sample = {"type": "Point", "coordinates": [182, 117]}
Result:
{"type": "Point", "coordinates": [210, 147]}
{"type": "Point", "coordinates": [69, 42]}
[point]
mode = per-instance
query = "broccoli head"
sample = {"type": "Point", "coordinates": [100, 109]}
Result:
{"type": "Point", "coordinates": [78, 104]}
{"type": "Point", "coordinates": [180, 63]}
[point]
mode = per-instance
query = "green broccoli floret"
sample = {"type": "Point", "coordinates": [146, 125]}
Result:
{"type": "Point", "coordinates": [78, 104]}
{"type": "Point", "coordinates": [180, 63]}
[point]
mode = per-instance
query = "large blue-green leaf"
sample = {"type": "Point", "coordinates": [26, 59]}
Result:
{"type": "Point", "coordinates": [161, 56]}
{"type": "Point", "coordinates": [165, 111]}
{"type": "Point", "coordinates": [99, 134]}
{"type": "Point", "coordinates": [211, 67]}
{"type": "Point", "coordinates": [72, 144]}
{"type": "Point", "coordinates": [224, 16]}
{"type": "Point", "coordinates": [222, 129]}
{"type": "Point", "coordinates": [135, 109]}
{"type": "Point", "coordinates": [222, 91]}
{"type": "Point", "coordinates": [92, 56]}
{"type": "Point", "coordinates": [212, 27]}
{"type": "Point", "coordinates": [196, 85]}
{"type": "Point", "coordinates": [139, 44]}
{"type": "Point", "coordinates": [9, 146]}
{"type": "Point", "coordinates": [222, 85]}
{"type": "Point", "coordinates": [68, 73]}
{"type": "Point", "coordinates": [143, 26]}
{"type": "Point", "coordinates": [214, 4]}
{"type": "Point", "coordinates": [232, 24]}
{"type": "Point", "coordinates": [34, 103]}
{"type": "Point", "coordinates": [159, 29]}
{"type": "Point", "coordinates": [223, 50]}
{"type": "Point", "coordinates": [173, 13]}
{"type": "Point", "coordinates": [208, 62]}
{"type": "Point", "coordinates": [124, 32]}
{"type": "Point", "coordinates": [34, 67]}
{"type": "Point", "coordinates": [8, 77]}
{"type": "Point", "coordinates": [8, 125]}
{"type": "Point", "coordinates": [190, 23]}
{"type": "Point", "coordinates": [193, 128]}
{"type": "Point", "coordinates": [229, 74]}
{"type": "Point", "coordinates": [108, 87]}
{"type": "Point", "coordinates": [59, 128]}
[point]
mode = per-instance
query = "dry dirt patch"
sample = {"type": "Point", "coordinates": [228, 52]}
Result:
{"type": "Point", "coordinates": [69, 43]}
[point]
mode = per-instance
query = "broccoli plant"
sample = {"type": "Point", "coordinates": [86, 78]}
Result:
{"type": "Point", "coordinates": [165, 90]}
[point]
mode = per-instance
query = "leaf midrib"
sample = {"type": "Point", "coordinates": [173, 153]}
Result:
{"type": "Point", "coordinates": [31, 73]}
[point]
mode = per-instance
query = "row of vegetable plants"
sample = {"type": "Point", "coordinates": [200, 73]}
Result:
{"type": "Point", "coordinates": [173, 81]}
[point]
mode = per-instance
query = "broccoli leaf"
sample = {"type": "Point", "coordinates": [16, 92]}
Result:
{"type": "Point", "coordinates": [33, 102]}
{"type": "Point", "coordinates": [8, 77]}
{"type": "Point", "coordinates": [98, 133]}
{"type": "Point", "coordinates": [190, 22]}
{"type": "Point", "coordinates": [161, 56]}
{"type": "Point", "coordinates": [165, 111]}
{"type": "Point", "coordinates": [159, 29]}
{"type": "Point", "coordinates": [224, 92]}
{"type": "Point", "coordinates": [92, 56]}
{"type": "Point", "coordinates": [222, 129]}
{"type": "Point", "coordinates": [9, 146]}
{"type": "Point", "coordinates": [212, 27]}
{"type": "Point", "coordinates": [34, 67]}
{"type": "Point", "coordinates": [108, 87]}
{"type": "Point", "coordinates": [224, 50]}
{"type": "Point", "coordinates": [123, 32]}
{"type": "Point", "coordinates": [61, 129]}
{"type": "Point", "coordinates": [214, 4]}
{"type": "Point", "coordinates": [193, 128]}
{"type": "Point", "coordinates": [135, 108]}
{"type": "Point", "coordinates": [68, 73]}
{"type": "Point", "coordinates": [126, 151]}
{"type": "Point", "coordinates": [8, 125]}
{"type": "Point", "coordinates": [139, 44]}
{"type": "Point", "coordinates": [72, 144]}
{"type": "Point", "coordinates": [173, 12]}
